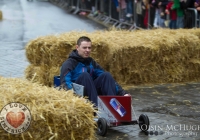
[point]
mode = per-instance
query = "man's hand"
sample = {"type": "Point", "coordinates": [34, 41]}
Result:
{"type": "Point", "coordinates": [127, 94]}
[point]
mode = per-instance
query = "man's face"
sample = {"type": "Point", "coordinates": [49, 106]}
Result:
{"type": "Point", "coordinates": [84, 49]}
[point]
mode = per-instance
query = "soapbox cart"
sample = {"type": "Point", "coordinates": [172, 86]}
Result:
{"type": "Point", "coordinates": [114, 111]}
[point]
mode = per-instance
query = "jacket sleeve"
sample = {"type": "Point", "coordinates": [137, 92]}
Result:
{"type": "Point", "coordinates": [65, 75]}
{"type": "Point", "coordinates": [68, 82]}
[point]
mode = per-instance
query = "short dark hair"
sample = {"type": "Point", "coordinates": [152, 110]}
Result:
{"type": "Point", "coordinates": [83, 38]}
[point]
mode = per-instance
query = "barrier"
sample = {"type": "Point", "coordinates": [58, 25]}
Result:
{"type": "Point", "coordinates": [193, 13]}
{"type": "Point", "coordinates": [105, 13]}
{"type": "Point", "coordinates": [129, 26]}
{"type": "Point", "coordinates": [106, 20]}
{"type": "Point", "coordinates": [135, 17]}
{"type": "Point", "coordinates": [109, 20]}
{"type": "Point", "coordinates": [80, 7]}
{"type": "Point", "coordinates": [101, 16]}
{"type": "Point", "coordinates": [71, 5]}
{"type": "Point", "coordinates": [60, 3]}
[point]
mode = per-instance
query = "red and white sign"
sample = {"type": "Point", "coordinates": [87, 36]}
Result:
{"type": "Point", "coordinates": [115, 108]}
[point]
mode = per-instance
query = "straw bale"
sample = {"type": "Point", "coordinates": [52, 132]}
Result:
{"type": "Point", "coordinates": [42, 74]}
{"type": "Point", "coordinates": [98, 45]}
{"type": "Point", "coordinates": [59, 54]}
{"type": "Point", "coordinates": [38, 74]}
{"type": "Point", "coordinates": [53, 71]}
{"type": "Point", "coordinates": [1, 15]}
{"type": "Point", "coordinates": [54, 114]}
{"type": "Point", "coordinates": [54, 50]}
{"type": "Point", "coordinates": [192, 31]}
{"type": "Point", "coordinates": [31, 73]}
{"type": "Point", "coordinates": [37, 51]}
{"type": "Point", "coordinates": [62, 46]}
{"type": "Point", "coordinates": [133, 57]}
{"type": "Point", "coordinates": [155, 57]}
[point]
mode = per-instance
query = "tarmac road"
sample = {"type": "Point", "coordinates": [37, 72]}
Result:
{"type": "Point", "coordinates": [25, 20]}
{"type": "Point", "coordinates": [173, 109]}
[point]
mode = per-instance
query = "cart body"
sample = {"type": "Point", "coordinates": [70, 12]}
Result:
{"type": "Point", "coordinates": [116, 110]}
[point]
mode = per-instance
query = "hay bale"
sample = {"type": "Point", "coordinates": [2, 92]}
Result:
{"type": "Point", "coordinates": [54, 50]}
{"type": "Point", "coordinates": [50, 50]}
{"type": "Point", "coordinates": [1, 15]}
{"type": "Point", "coordinates": [38, 50]}
{"type": "Point", "coordinates": [55, 114]}
{"type": "Point", "coordinates": [42, 74]}
{"type": "Point", "coordinates": [31, 73]}
{"type": "Point", "coordinates": [139, 57]}
{"type": "Point", "coordinates": [159, 56]}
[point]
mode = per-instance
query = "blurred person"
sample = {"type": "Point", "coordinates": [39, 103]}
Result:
{"type": "Point", "coordinates": [121, 8]}
{"type": "Point", "coordinates": [153, 7]}
{"type": "Point", "coordinates": [104, 7]}
{"type": "Point", "coordinates": [129, 8]}
{"type": "Point", "coordinates": [180, 13]}
{"type": "Point", "coordinates": [189, 3]}
{"type": "Point", "coordinates": [139, 13]}
{"type": "Point", "coordinates": [145, 8]}
{"type": "Point", "coordinates": [83, 6]}
{"type": "Point", "coordinates": [114, 10]}
{"type": "Point", "coordinates": [162, 15]}
{"type": "Point", "coordinates": [81, 69]}
{"type": "Point", "coordinates": [173, 16]}
{"type": "Point", "coordinates": [197, 5]}
{"type": "Point", "coordinates": [90, 5]}
{"type": "Point", "coordinates": [183, 5]}
{"type": "Point", "coordinates": [189, 18]}
{"type": "Point", "coordinates": [157, 14]}
{"type": "Point", "coordinates": [149, 13]}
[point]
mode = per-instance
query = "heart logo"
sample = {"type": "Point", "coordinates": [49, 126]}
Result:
{"type": "Point", "coordinates": [15, 119]}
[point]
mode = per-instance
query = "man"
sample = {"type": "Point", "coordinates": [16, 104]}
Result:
{"type": "Point", "coordinates": [80, 68]}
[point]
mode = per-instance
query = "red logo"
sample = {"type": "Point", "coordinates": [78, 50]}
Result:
{"type": "Point", "coordinates": [15, 118]}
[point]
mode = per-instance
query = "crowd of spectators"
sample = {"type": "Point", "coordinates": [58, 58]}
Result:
{"type": "Point", "coordinates": [149, 13]}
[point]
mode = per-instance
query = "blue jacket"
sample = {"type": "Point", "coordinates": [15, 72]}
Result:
{"type": "Point", "coordinates": [75, 65]}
